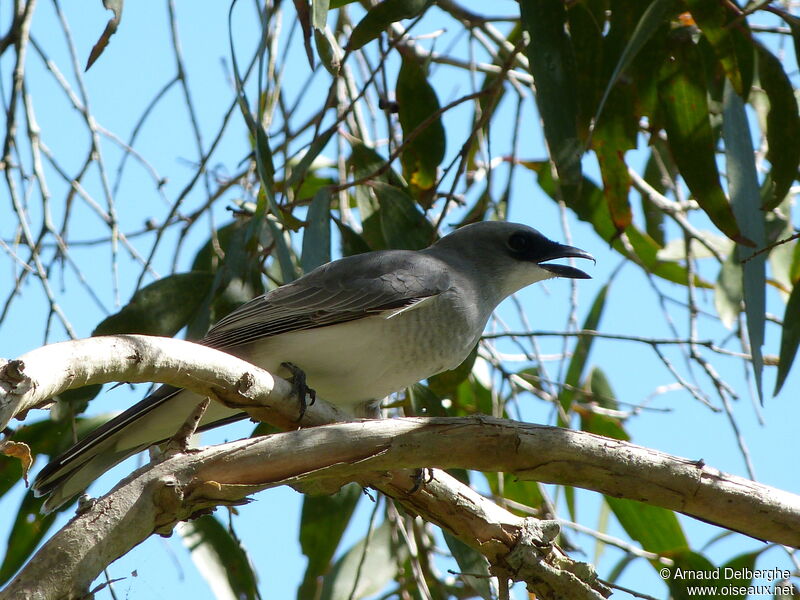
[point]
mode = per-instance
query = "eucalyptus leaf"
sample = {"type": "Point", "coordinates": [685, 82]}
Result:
{"type": "Point", "coordinates": [552, 64]}
{"type": "Point", "coordinates": [220, 558]}
{"type": "Point", "coordinates": [746, 202]}
{"type": "Point", "coordinates": [365, 568]}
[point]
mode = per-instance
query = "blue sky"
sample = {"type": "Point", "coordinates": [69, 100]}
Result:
{"type": "Point", "coordinates": [138, 63]}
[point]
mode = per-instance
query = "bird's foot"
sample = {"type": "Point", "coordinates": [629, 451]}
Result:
{"type": "Point", "coordinates": [420, 478]}
{"type": "Point", "coordinates": [299, 387]}
{"type": "Point", "coordinates": [85, 504]}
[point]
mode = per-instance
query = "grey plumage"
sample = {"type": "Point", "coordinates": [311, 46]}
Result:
{"type": "Point", "coordinates": [360, 328]}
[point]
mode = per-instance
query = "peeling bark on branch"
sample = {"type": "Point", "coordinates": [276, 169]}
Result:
{"type": "Point", "coordinates": [535, 452]}
{"type": "Point", "coordinates": [34, 378]}
{"type": "Point", "coordinates": [373, 453]}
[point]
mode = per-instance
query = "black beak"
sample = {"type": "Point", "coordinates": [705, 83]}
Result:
{"type": "Point", "coordinates": [557, 251]}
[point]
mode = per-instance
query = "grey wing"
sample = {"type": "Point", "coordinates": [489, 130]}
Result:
{"type": "Point", "coordinates": [352, 288]}
{"type": "Point", "coordinates": [341, 291]}
{"type": "Point", "coordinates": [150, 421]}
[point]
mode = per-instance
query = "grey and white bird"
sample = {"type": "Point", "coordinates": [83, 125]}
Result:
{"type": "Point", "coordinates": [360, 328]}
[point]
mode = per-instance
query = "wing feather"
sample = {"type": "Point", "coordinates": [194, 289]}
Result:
{"type": "Point", "coordinates": [345, 290]}
{"type": "Point", "coordinates": [381, 283]}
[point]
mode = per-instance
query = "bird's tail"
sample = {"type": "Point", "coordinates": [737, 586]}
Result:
{"type": "Point", "coordinates": [151, 421]}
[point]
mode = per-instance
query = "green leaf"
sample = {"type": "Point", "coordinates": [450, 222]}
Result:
{"type": "Point", "coordinates": [73, 402]}
{"type": "Point", "coordinates": [380, 17]}
{"type": "Point", "coordinates": [366, 568]}
{"type": "Point", "coordinates": [352, 243]}
{"type": "Point", "coordinates": [616, 116]}
{"type": "Point", "coordinates": [746, 200]}
{"type": "Point", "coordinates": [731, 39]}
{"type": "Point", "coordinates": [693, 567]}
{"type": "Point", "coordinates": [319, 13]}
{"type": "Point", "coordinates": [317, 145]}
{"type": "Point", "coordinates": [644, 70]}
{"type": "Point", "coordinates": [303, 11]}
{"type": "Point", "coordinates": [402, 224]}
{"type": "Point", "coordinates": [656, 529]}
{"type": "Point", "coordinates": [651, 20]}
{"type": "Point", "coordinates": [603, 518]}
{"type": "Point", "coordinates": [569, 499]}
{"type": "Point", "coordinates": [322, 524]}
{"type": "Point", "coordinates": [317, 234]}
{"type": "Point", "coordinates": [418, 107]}
{"type": "Point", "coordinates": [312, 183]}
{"type": "Point", "coordinates": [478, 211]}
{"type": "Point", "coordinates": [328, 50]}
{"type": "Point", "coordinates": [728, 293]}
{"type": "Point", "coordinates": [42, 437]}
{"type": "Point", "coordinates": [783, 127]}
{"type": "Point", "coordinates": [237, 279]}
{"type": "Point", "coordinates": [231, 286]}
{"type": "Point", "coordinates": [264, 168]}
{"type": "Point", "coordinates": [264, 164]}
{"type": "Point", "coordinates": [790, 337]}
{"type": "Point", "coordinates": [683, 99]}
{"type": "Point", "coordinates": [524, 492]}
{"type": "Point", "coordinates": [10, 472]}
{"type": "Point", "coordinates": [424, 401]}
{"type": "Point", "coordinates": [472, 564]}
{"type": "Point", "coordinates": [610, 148]}
{"type": "Point", "coordinates": [599, 392]}
{"type": "Point", "coordinates": [49, 437]}
{"type": "Point", "coordinates": [54, 437]}
{"type": "Point", "coordinates": [590, 206]}
{"type": "Point", "coordinates": [479, 395]}
{"type": "Point", "coordinates": [162, 308]}
{"type": "Point", "coordinates": [220, 557]}
{"type": "Point", "coordinates": [445, 384]}
{"type": "Point", "coordinates": [282, 249]}
{"type": "Point", "coordinates": [552, 64]}
{"type": "Point", "coordinates": [29, 527]}
{"type": "Point", "coordinates": [740, 565]}
{"type": "Point", "coordinates": [616, 119]}
{"type": "Point", "coordinates": [586, 24]}
{"type": "Point", "coordinates": [473, 397]}
{"type": "Point", "coordinates": [616, 571]}
{"type": "Point", "coordinates": [367, 163]}
{"type": "Point", "coordinates": [779, 227]}
{"type": "Point", "coordinates": [794, 271]}
{"type": "Point", "coordinates": [714, 244]}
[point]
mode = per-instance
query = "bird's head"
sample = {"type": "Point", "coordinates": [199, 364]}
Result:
{"type": "Point", "coordinates": [510, 255]}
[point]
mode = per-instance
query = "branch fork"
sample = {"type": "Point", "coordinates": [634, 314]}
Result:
{"type": "Point", "coordinates": [332, 450]}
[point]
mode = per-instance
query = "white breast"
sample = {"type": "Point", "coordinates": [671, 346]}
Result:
{"type": "Point", "coordinates": [358, 361]}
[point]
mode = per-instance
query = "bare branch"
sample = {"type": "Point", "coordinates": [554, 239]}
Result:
{"type": "Point", "coordinates": [30, 381]}
{"type": "Point", "coordinates": [372, 453]}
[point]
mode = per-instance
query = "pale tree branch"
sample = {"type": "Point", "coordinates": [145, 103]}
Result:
{"type": "Point", "coordinates": [374, 453]}
{"type": "Point", "coordinates": [32, 379]}
{"type": "Point", "coordinates": [156, 497]}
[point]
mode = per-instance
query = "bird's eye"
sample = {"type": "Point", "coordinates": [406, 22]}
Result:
{"type": "Point", "coordinates": [518, 242]}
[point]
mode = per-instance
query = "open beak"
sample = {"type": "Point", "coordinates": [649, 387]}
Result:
{"type": "Point", "coordinates": [563, 251]}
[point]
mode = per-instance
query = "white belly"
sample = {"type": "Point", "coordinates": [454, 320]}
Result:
{"type": "Point", "coordinates": [358, 361]}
